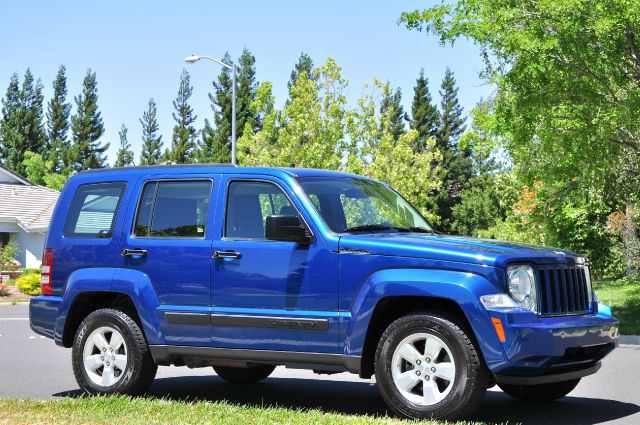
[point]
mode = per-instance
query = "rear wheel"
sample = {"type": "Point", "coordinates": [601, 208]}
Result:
{"type": "Point", "coordinates": [110, 355]}
{"type": "Point", "coordinates": [427, 367]}
{"type": "Point", "coordinates": [244, 375]}
{"type": "Point", "coordinates": [543, 392]}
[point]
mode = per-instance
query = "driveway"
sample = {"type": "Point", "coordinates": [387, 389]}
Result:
{"type": "Point", "coordinates": [34, 367]}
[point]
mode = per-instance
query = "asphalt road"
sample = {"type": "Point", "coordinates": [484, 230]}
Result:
{"type": "Point", "coordinates": [34, 367]}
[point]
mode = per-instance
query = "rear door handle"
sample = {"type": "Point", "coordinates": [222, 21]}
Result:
{"type": "Point", "coordinates": [134, 252]}
{"type": "Point", "coordinates": [225, 254]}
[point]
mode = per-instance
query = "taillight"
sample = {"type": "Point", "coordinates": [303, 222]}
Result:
{"type": "Point", "coordinates": [46, 272]}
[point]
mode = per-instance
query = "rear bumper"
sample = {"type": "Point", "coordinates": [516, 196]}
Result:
{"type": "Point", "coordinates": [43, 311]}
{"type": "Point", "coordinates": [553, 349]}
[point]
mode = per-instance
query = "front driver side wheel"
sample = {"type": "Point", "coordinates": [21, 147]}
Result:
{"type": "Point", "coordinates": [427, 367]}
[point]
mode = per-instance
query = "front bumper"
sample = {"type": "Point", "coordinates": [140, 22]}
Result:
{"type": "Point", "coordinates": [553, 349]}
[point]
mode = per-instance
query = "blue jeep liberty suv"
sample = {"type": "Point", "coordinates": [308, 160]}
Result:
{"type": "Point", "coordinates": [245, 269]}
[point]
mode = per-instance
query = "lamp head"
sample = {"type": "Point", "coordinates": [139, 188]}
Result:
{"type": "Point", "coordinates": [192, 59]}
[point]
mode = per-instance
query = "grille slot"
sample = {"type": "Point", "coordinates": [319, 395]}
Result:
{"type": "Point", "coordinates": [563, 290]}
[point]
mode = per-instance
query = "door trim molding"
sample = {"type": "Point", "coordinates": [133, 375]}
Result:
{"type": "Point", "coordinates": [176, 318]}
{"type": "Point", "coordinates": [299, 323]}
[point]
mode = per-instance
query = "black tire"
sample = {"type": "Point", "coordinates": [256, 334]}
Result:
{"type": "Point", "coordinates": [140, 369]}
{"type": "Point", "coordinates": [244, 375]}
{"type": "Point", "coordinates": [540, 393]}
{"type": "Point", "coordinates": [471, 376]}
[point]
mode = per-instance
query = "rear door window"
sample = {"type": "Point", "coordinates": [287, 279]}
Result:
{"type": "Point", "coordinates": [173, 209]}
{"type": "Point", "coordinates": [93, 210]}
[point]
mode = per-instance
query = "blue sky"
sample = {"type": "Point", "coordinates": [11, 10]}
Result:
{"type": "Point", "coordinates": [137, 49]}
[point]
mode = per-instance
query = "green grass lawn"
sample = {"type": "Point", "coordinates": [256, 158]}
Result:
{"type": "Point", "coordinates": [624, 299]}
{"type": "Point", "coordinates": [147, 411]}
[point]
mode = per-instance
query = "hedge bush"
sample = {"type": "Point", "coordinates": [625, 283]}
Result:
{"type": "Point", "coordinates": [29, 283]}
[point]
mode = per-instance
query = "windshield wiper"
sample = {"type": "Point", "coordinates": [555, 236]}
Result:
{"type": "Point", "coordinates": [413, 229]}
{"type": "Point", "coordinates": [368, 227]}
{"type": "Point", "coordinates": [371, 227]}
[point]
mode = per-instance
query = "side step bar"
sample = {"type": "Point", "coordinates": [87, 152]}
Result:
{"type": "Point", "coordinates": [175, 354]}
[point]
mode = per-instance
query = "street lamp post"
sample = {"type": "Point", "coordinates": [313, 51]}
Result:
{"type": "Point", "coordinates": [232, 67]}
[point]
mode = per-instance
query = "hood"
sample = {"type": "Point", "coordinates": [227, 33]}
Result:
{"type": "Point", "coordinates": [455, 248]}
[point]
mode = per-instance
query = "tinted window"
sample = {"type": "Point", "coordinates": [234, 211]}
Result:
{"type": "Point", "coordinates": [356, 204]}
{"type": "Point", "coordinates": [93, 210]}
{"type": "Point", "coordinates": [249, 204]}
{"type": "Point", "coordinates": [145, 207]}
{"type": "Point", "coordinates": [173, 209]}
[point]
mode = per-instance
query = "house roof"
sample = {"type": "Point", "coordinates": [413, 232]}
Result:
{"type": "Point", "coordinates": [24, 203]}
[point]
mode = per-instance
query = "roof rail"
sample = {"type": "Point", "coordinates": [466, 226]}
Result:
{"type": "Point", "coordinates": [156, 167]}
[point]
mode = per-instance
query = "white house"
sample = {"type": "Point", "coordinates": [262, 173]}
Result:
{"type": "Point", "coordinates": [25, 212]}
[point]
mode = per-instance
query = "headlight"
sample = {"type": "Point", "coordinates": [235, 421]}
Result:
{"type": "Point", "coordinates": [522, 286]}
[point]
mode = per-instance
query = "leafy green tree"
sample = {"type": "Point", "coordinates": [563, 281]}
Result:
{"type": "Point", "coordinates": [425, 117]}
{"type": "Point", "coordinates": [87, 128]}
{"type": "Point", "coordinates": [309, 131]}
{"type": "Point", "coordinates": [567, 95]}
{"type": "Point", "coordinates": [184, 133]}
{"type": "Point", "coordinates": [392, 105]}
{"type": "Point", "coordinates": [151, 141]}
{"type": "Point", "coordinates": [58, 112]}
{"type": "Point", "coordinates": [11, 140]}
{"type": "Point", "coordinates": [259, 148]}
{"type": "Point", "coordinates": [40, 171]}
{"type": "Point", "coordinates": [125, 154]}
{"type": "Point", "coordinates": [375, 152]}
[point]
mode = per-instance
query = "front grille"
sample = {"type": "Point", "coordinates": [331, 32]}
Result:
{"type": "Point", "coordinates": [564, 290]}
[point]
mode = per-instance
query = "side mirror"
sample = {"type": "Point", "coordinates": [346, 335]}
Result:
{"type": "Point", "coordinates": [285, 228]}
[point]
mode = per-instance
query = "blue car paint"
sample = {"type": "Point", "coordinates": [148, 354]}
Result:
{"type": "Point", "coordinates": [341, 287]}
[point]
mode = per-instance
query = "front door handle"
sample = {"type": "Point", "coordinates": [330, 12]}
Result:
{"type": "Point", "coordinates": [133, 252]}
{"type": "Point", "coordinates": [225, 254]}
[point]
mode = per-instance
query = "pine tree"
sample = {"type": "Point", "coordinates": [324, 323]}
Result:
{"type": "Point", "coordinates": [456, 159]}
{"type": "Point", "coordinates": [221, 99]}
{"type": "Point", "coordinates": [32, 101]}
{"type": "Point", "coordinates": [210, 148]}
{"type": "Point", "coordinates": [151, 142]}
{"type": "Point", "coordinates": [452, 121]}
{"type": "Point", "coordinates": [424, 114]}
{"type": "Point", "coordinates": [11, 140]}
{"type": "Point", "coordinates": [304, 64]}
{"type": "Point", "coordinates": [87, 128]}
{"type": "Point", "coordinates": [392, 104]}
{"type": "Point", "coordinates": [182, 143]}
{"type": "Point", "coordinates": [23, 129]}
{"type": "Point", "coordinates": [125, 154]}
{"type": "Point", "coordinates": [58, 112]}
{"type": "Point", "coordinates": [246, 93]}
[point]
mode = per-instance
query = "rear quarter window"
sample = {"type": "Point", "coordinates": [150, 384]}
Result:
{"type": "Point", "coordinates": [93, 210]}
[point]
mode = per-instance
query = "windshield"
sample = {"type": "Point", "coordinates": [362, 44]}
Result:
{"type": "Point", "coordinates": [349, 204]}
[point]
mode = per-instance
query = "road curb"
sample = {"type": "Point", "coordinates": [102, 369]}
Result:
{"type": "Point", "coordinates": [630, 339]}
